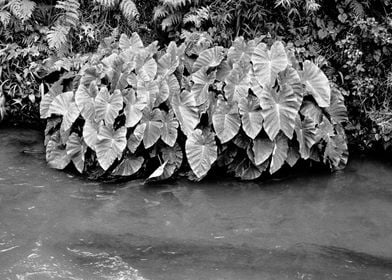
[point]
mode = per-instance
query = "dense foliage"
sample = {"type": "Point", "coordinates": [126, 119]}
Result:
{"type": "Point", "coordinates": [248, 109]}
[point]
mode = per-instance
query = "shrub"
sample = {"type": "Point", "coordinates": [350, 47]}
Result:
{"type": "Point", "coordinates": [138, 111]}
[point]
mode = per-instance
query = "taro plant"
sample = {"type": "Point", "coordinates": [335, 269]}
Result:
{"type": "Point", "coordinates": [141, 112]}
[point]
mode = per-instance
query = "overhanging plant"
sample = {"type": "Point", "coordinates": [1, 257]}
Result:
{"type": "Point", "coordinates": [141, 112]}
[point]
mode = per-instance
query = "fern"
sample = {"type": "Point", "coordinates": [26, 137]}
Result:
{"type": "Point", "coordinates": [129, 9]}
{"type": "Point", "coordinates": [107, 3]}
{"type": "Point", "coordinates": [20, 9]}
{"type": "Point", "coordinates": [57, 37]}
{"type": "Point", "coordinates": [70, 14]}
{"type": "Point", "coordinates": [5, 17]}
{"type": "Point", "coordinates": [171, 20]}
{"type": "Point", "coordinates": [197, 16]}
{"type": "Point", "coordinates": [175, 4]}
{"type": "Point", "coordinates": [356, 8]}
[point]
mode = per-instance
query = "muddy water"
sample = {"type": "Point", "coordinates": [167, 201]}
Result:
{"type": "Point", "coordinates": [315, 226]}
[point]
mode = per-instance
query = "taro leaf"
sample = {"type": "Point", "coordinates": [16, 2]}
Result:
{"type": "Point", "coordinates": [316, 83]}
{"type": "Point", "coordinates": [136, 137]}
{"type": "Point", "coordinates": [241, 50]}
{"type": "Point", "coordinates": [336, 152]}
{"type": "Point", "coordinates": [184, 107]}
{"type": "Point", "coordinates": [201, 83]}
{"type": "Point", "coordinates": [227, 155]}
{"type": "Point", "coordinates": [90, 133]}
{"type": "Point", "coordinates": [337, 110]}
{"type": "Point", "coordinates": [108, 106]}
{"type": "Point", "coordinates": [226, 121]}
{"type": "Point", "coordinates": [56, 155]}
{"type": "Point", "coordinates": [148, 91]}
{"type": "Point", "coordinates": [246, 170]}
{"type": "Point", "coordinates": [242, 141]}
{"type": "Point", "coordinates": [279, 154]}
{"type": "Point", "coordinates": [173, 155]}
{"type": "Point", "coordinates": [251, 117]}
{"type": "Point", "coordinates": [268, 63]}
{"type": "Point", "coordinates": [85, 100]}
{"type": "Point", "coordinates": [311, 111]}
{"type": "Point", "coordinates": [147, 70]}
{"type": "Point", "coordinates": [134, 43]}
{"type": "Point", "coordinates": [279, 110]}
{"type": "Point", "coordinates": [201, 151]}
{"type": "Point", "coordinates": [169, 129]}
{"type": "Point", "coordinates": [209, 58]}
{"type": "Point", "coordinates": [91, 74]}
{"type": "Point", "coordinates": [293, 156]}
{"type": "Point", "coordinates": [76, 149]}
{"type": "Point", "coordinates": [47, 99]}
{"type": "Point", "coordinates": [110, 145]}
{"type": "Point", "coordinates": [174, 86]}
{"type": "Point", "coordinates": [134, 106]}
{"type": "Point", "coordinates": [169, 62]}
{"type": "Point", "coordinates": [65, 106]}
{"type": "Point", "coordinates": [306, 134]}
{"type": "Point", "coordinates": [262, 150]}
{"type": "Point", "coordinates": [52, 125]}
{"type": "Point", "coordinates": [223, 70]}
{"type": "Point", "coordinates": [129, 166]}
{"type": "Point", "coordinates": [291, 77]}
{"type": "Point", "coordinates": [163, 172]}
{"type": "Point", "coordinates": [326, 130]}
{"type": "Point", "coordinates": [119, 74]}
{"type": "Point", "coordinates": [238, 82]}
{"type": "Point", "coordinates": [168, 87]}
{"type": "Point", "coordinates": [153, 120]}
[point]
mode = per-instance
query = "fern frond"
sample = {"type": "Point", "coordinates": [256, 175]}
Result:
{"type": "Point", "coordinates": [5, 17]}
{"type": "Point", "coordinates": [26, 9]}
{"type": "Point", "coordinates": [57, 36]}
{"type": "Point", "coordinates": [71, 11]}
{"type": "Point", "coordinates": [356, 7]}
{"type": "Point", "coordinates": [107, 3]}
{"type": "Point", "coordinates": [171, 20]}
{"type": "Point", "coordinates": [197, 16]}
{"type": "Point", "coordinates": [175, 4]}
{"type": "Point", "coordinates": [129, 9]}
{"type": "Point", "coordinates": [160, 12]}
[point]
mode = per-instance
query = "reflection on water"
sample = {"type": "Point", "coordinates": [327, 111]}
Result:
{"type": "Point", "coordinates": [55, 225]}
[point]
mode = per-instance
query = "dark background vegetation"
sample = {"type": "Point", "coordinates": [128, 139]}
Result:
{"type": "Point", "coordinates": [351, 40]}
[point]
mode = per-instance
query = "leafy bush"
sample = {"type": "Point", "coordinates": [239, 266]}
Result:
{"type": "Point", "coordinates": [137, 111]}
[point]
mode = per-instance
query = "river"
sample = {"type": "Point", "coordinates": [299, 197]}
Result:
{"type": "Point", "coordinates": [54, 225]}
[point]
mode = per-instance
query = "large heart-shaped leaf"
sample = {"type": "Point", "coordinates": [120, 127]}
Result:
{"type": "Point", "coordinates": [64, 105]}
{"type": "Point", "coordinates": [136, 137]}
{"type": "Point", "coordinates": [279, 110]}
{"type": "Point", "coordinates": [209, 58]}
{"type": "Point", "coordinates": [241, 50]}
{"type": "Point", "coordinates": [76, 149]}
{"type": "Point", "coordinates": [226, 121]}
{"type": "Point", "coordinates": [169, 62]}
{"type": "Point", "coordinates": [148, 91]}
{"type": "Point", "coordinates": [129, 166]}
{"type": "Point", "coordinates": [147, 70]}
{"type": "Point", "coordinates": [169, 129]}
{"type": "Point", "coordinates": [201, 152]}
{"type": "Point", "coordinates": [110, 145]}
{"type": "Point", "coordinates": [184, 107]}
{"type": "Point", "coordinates": [108, 106]}
{"type": "Point", "coordinates": [90, 133]}
{"type": "Point", "coordinates": [238, 82]}
{"type": "Point", "coordinates": [134, 43]}
{"type": "Point", "coordinates": [134, 106]}
{"type": "Point", "coordinates": [306, 134]}
{"type": "Point", "coordinates": [262, 150]}
{"type": "Point", "coordinates": [47, 99]}
{"type": "Point", "coordinates": [153, 120]}
{"type": "Point", "coordinates": [279, 154]}
{"type": "Point", "coordinates": [316, 83]}
{"type": "Point", "coordinates": [201, 83]}
{"type": "Point", "coordinates": [337, 110]}
{"type": "Point", "coordinates": [268, 63]}
{"type": "Point", "coordinates": [251, 117]}
{"type": "Point", "coordinates": [56, 155]}
{"type": "Point", "coordinates": [85, 100]}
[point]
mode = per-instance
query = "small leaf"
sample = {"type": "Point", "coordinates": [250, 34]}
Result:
{"type": "Point", "coordinates": [173, 155]}
{"type": "Point", "coordinates": [262, 149]}
{"type": "Point", "coordinates": [246, 170]}
{"type": "Point", "coordinates": [134, 106]}
{"type": "Point", "coordinates": [337, 110]}
{"type": "Point", "coordinates": [56, 155]}
{"type": "Point", "coordinates": [226, 121]}
{"type": "Point", "coordinates": [201, 152]}
{"type": "Point", "coordinates": [108, 105]}
{"type": "Point", "coordinates": [306, 134]}
{"type": "Point", "coordinates": [311, 111]}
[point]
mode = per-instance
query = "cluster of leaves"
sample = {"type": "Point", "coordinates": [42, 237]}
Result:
{"type": "Point", "coordinates": [137, 111]}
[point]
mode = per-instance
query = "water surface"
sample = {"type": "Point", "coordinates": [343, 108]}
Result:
{"type": "Point", "coordinates": [54, 225]}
